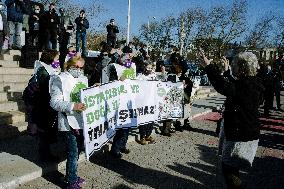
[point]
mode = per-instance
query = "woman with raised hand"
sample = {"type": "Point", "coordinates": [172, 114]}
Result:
{"type": "Point", "coordinates": [241, 123]}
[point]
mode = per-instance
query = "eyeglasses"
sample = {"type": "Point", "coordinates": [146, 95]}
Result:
{"type": "Point", "coordinates": [37, 9]}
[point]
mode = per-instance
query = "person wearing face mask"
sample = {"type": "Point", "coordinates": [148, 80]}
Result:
{"type": "Point", "coordinates": [49, 22]}
{"type": "Point", "coordinates": [65, 98]}
{"type": "Point", "coordinates": [43, 115]}
{"type": "Point", "coordinates": [4, 30]}
{"type": "Point", "coordinates": [81, 36]}
{"type": "Point", "coordinates": [34, 26]}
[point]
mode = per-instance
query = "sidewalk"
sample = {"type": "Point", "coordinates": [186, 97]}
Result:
{"type": "Point", "coordinates": [18, 157]}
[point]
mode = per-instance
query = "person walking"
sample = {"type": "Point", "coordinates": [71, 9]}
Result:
{"type": "Point", "coordinates": [241, 123]}
{"type": "Point", "coordinates": [81, 36]}
{"type": "Point", "coordinates": [15, 12]}
{"type": "Point", "coordinates": [70, 119]}
{"type": "Point", "coordinates": [112, 30]}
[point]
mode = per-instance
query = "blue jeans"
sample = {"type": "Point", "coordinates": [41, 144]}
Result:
{"type": "Point", "coordinates": [15, 34]}
{"type": "Point", "coordinates": [81, 36]}
{"type": "Point", "coordinates": [74, 146]}
{"type": "Point", "coordinates": [120, 140]}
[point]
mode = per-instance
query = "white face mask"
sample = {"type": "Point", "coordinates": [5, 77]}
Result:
{"type": "Point", "coordinates": [37, 11]}
{"type": "Point", "coordinates": [76, 72]}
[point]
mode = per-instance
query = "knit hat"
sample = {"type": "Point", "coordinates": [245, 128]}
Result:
{"type": "Point", "coordinates": [111, 20]}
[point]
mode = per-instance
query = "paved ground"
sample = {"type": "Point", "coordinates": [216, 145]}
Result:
{"type": "Point", "coordinates": [185, 160]}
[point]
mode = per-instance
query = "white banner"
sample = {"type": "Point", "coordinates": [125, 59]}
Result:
{"type": "Point", "coordinates": [126, 104]}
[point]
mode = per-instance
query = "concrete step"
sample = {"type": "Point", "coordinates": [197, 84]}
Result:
{"type": "Point", "coordinates": [203, 91]}
{"type": "Point", "coordinates": [13, 86]}
{"type": "Point", "coordinates": [14, 52]}
{"type": "Point", "coordinates": [11, 106]}
{"type": "Point", "coordinates": [11, 57]}
{"type": "Point", "coordinates": [205, 95]}
{"type": "Point", "coordinates": [9, 64]}
{"type": "Point", "coordinates": [12, 95]}
{"type": "Point", "coordinates": [15, 77]}
{"type": "Point", "coordinates": [12, 117]}
{"type": "Point", "coordinates": [15, 71]}
{"type": "Point", "coordinates": [19, 161]}
{"type": "Point", "coordinates": [13, 130]}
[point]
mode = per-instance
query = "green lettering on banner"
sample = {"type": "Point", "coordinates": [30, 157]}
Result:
{"type": "Point", "coordinates": [122, 89]}
{"type": "Point", "coordinates": [115, 105]}
{"type": "Point", "coordinates": [135, 88]}
{"type": "Point", "coordinates": [90, 118]}
{"type": "Point", "coordinates": [97, 114]}
{"type": "Point", "coordinates": [114, 92]}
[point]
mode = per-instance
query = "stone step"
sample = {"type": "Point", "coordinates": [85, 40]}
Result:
{"type": "Point", "coordinates": [203, 91]}
{"type": "Point", "coordinates": [12, 95]}
{"type": "Point", "coordinates": [16, 71]}
{"type": "Point", "coordinates": [14, 52]}
{"type": "Point", "coordinates": [13, 86]}
{"type": "Point", "coordinates": [11, 117]}
{"type": "Point", "coordinates": [11, 57]}
{"type": "Point", "coordinates": [9, 64]}
{"type": "Point", "coordinates": [201, 96]}
{"type": "Point", "coordinates": [11, 106]}
{"type": "Point", "coordinates": [15, 78]}
{"type": "Point", "coordinates": [13, 130]}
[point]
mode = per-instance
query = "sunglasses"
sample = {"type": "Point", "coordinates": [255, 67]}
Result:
{"type": "Point", "coordinates": [78, 67]}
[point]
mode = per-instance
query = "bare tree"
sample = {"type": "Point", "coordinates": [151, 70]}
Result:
{"type": "Point", "coordinates": [260, 34]}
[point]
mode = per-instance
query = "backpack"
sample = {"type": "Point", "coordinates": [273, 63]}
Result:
{"type": "Point", "coordinates": [29, 96]}
{"type": "Point", "coordinates": [31, 91]}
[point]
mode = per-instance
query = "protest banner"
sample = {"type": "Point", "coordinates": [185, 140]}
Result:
{"type": "Point", "coordinates": [126, 104]}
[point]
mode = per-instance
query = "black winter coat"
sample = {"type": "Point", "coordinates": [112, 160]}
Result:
{"type": "Point", "coordinates": [241, 121]}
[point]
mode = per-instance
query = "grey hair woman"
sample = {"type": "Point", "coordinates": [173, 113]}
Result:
{"type": "Point", "coordinates": [243, 91]}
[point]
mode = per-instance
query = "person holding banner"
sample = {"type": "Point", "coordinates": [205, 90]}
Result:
{"type": "Point", "coordinates": [145, 131]}
{"type": "Point", "coordinates": [65, 98]}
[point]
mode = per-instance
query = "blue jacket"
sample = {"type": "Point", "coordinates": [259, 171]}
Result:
{"type": "Point", "coordinates": [15, 10]}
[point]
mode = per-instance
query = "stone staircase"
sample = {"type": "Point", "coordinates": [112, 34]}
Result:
{"type": "Point", "coordinates": [13, 81]}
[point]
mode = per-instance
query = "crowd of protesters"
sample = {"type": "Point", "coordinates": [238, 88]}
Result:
{"type": "Point", "coordinates": [245, 84]}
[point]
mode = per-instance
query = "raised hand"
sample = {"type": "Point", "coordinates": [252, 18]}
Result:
{"type": "Point", "coordinates": [205, 61]}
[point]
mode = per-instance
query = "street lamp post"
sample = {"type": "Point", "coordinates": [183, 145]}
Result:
{"type": "Point", "coordinates": [128, 23]}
